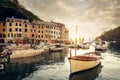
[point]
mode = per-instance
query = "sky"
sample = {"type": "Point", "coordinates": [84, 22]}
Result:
{"type": "Point", "coordinates": [91, 16]}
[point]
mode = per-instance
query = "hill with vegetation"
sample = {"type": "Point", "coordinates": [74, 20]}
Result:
{"type": "Point", "coordinates": [111, 35]}
{"type": "Point", "coordinates": [9, 8]}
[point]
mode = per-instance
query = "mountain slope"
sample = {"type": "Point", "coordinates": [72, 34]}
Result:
{"type": "Point", "coordinates": [9, 8]}
{"type": "Point", "coordinates": [111, 35]}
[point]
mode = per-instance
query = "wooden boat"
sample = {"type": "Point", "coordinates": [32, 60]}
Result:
{"type": "Point", "coordinates": [84, 62]}
{"type": "Point", "coordinates": [90, 74]}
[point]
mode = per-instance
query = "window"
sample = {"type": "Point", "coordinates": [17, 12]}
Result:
{"type": "Point", "coordinates": [16, 29]}
{"type": "Point", "coordinates": [20, 30]}
{"type": "Point", "coordinates": [10, 29]}
{"type": "Point", "coordinates": [11, 35]}
{"type": "Point", "coordinates": [41, 36]}
{"type": "Point", "coordinates": [32, 35]}
{"type": "Point", "coordinates": [25, 25]}
{"type": "Point", "coordinates": [38, 36]}
{"type": "Point", "coordinates": [42, 31]}
{"type": "Point", "coordinates": [32, 30]}
{"type": "Point", "coordinates": [20, 24]}
{"type": "Point", "coordinates": [3, 35]}
{"type": "Point", "coordinates": [0, 35]}
{"type": "Point", "coordinates": [16, 24]}
{"type": "Point", "coordinates": [39, 31]}
{"type": "Point", "coordinates": [8, 35]}
{"type": "Point", "coordinates": [3, 24]}
{"type": "Point", "coordinates": [10, 24]}
{"type": "Point", "coordinates": [25, 30]}
{"type": "Point", "coordinates": [19, 35]}
{"type": "Point", "coordinates": [3, 30]}
{"type": "Point", "coordinates": [33, 26]}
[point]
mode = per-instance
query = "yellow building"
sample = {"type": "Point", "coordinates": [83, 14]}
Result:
{"type": "Point", "coordinates": [19, 29]}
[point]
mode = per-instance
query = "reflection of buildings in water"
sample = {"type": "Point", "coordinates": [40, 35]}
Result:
{"type": "Point", "coordinates": [55, 56]}
{"type": "Point", "coordinates": [90, 74]}
{"type": "Point", "coordinates": [16, 71]}
{"type": "Point", "coordinates": [20, 68]}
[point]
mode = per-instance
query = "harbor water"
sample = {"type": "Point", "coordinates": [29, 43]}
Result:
{"type": "Point", "coordinates": [55, 66]}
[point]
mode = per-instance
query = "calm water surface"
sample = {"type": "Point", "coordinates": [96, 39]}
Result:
{"type": "Point", "coordinates": [55, 66]}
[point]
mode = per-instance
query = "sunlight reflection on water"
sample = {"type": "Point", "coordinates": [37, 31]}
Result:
{"type": "Point", "coordinates": [55, 66]}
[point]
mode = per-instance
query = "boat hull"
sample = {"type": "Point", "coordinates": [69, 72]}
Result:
{"type": "Point", "coordinates": [77, 65]}
{"type": "Point", "coordinates": [57, 50]}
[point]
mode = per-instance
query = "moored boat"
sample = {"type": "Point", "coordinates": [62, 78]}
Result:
{"type": "Point", "coordinates": [91, 74]}
{"type": "Point", "coordinates": [57, 50]}
{"type": "Point", "coordinates": [101, 46]}
{"type": "Point", "coordinates": [84, 62]}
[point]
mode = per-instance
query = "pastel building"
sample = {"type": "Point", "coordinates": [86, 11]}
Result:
{"type": "Point", "coordinates": [13, 29]}
{"type": "Point", "coordinates": [3, 32]}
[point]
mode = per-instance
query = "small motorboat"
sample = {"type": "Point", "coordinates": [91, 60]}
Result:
{"type": "Point", "coordinates": [56, 48]}
{"type": "Point", "coordinates": [84, 62]}
{"type": "Point", "coordinates": [103, 46]}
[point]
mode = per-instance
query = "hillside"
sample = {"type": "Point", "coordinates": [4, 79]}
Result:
{"type": "Point", "coordinates": [111, 35]}
{"type": "Point", "coordinates": [9, 8]}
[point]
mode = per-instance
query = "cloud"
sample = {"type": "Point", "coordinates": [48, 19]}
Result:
{"type": "Point", "coordinates": [100, 14]}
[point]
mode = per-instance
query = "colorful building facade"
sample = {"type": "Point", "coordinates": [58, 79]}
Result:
{"type": "Point", "coordinates": [13, 29]}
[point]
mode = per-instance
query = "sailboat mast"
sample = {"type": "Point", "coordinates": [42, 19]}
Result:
{"type": "Point", "coordinates": [76, 40]}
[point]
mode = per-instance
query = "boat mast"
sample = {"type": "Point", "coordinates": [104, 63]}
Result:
{"type": "Point", "coordinates": [76, 40]}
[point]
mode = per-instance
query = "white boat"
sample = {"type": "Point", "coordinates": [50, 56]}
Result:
{"type": "Point", "coordinates": [56, 48]}
{"type": "Point", "coordinates": [84, 62]}
{"type": "Point", "coordinates": [102, 46]}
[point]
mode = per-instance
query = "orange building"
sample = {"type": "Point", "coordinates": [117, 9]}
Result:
{"type": "Point", "coordinates": [3, 32]}
{"type": "Point", "coordinates": [15, 30]}
{"type": "Point", "coordinates": [33, 33]}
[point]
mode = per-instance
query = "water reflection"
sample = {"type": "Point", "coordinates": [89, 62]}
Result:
{"type": "Point", "coordinates": [18, 69]}
{"type": "Point", "coordinates": [114, 46]}
{"type": "Point", "coordinates": [87, 75]}
{"type": "Point", "coordinates": [55, 66]}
